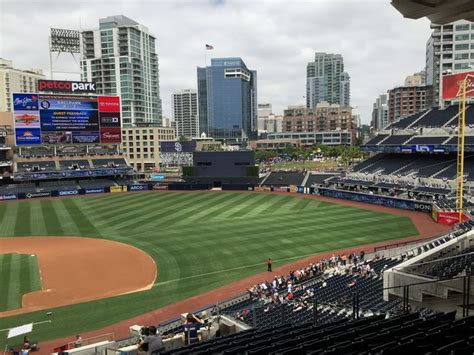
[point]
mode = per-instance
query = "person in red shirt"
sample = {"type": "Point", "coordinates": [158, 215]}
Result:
{"type": "Point", "coordinates": [269, 265]}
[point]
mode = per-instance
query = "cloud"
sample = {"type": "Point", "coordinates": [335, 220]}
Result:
{"type": "Point", "coordinates": [276, 38]}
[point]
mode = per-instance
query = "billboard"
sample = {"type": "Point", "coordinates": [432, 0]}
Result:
{"type": "Point", "coordinates": [66, 119]}
{"type": "Point", "coordinates": [178, 147]}
{"type": "Point", "coordinates": [66, 86]}
{"type": "Point", "coordinates": [452, 85]}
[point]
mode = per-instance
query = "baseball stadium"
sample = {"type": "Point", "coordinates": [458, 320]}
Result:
{"type": "Point", "coordinates": [214, 253]}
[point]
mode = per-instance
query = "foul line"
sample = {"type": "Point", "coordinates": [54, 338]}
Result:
{"type": "Point", "coordinates": [232, 269]}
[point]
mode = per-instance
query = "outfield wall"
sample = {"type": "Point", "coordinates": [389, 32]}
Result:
{"type": "Point", "coordinates": [412, 205]}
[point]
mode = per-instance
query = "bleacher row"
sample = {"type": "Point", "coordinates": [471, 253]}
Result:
{"type": "Point", "coordinates": [287, 178]}
{"type": "Point", "coordinates": [79, 164]}
{"type": "Point", "coordinates": [446, 264]}
{"type": "Point", "coordinates": [442, 166]}
{"type": "Point", "coordinates": [411, 333]}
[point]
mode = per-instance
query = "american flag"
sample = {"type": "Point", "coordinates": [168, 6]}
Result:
{"type": "Point", "coordinates": [209, 47]}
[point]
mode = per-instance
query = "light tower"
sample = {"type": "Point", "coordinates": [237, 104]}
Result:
{"type": "Point", "coordinates": [62, 41]}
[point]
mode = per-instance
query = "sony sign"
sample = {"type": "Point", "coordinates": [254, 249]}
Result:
{"type": "Point", "coordinates": [66, 86]}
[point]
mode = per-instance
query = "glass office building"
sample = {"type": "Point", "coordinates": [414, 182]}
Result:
{"type": "Point", "coordinates": [227, 99]}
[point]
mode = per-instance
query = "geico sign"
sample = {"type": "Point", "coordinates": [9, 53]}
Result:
{"type": "Point", "coordinates": [68, 192]}
{"type": "Point", "coordinates": [3, 133]}
{"type": "Point", "coordinates": [65, 86]}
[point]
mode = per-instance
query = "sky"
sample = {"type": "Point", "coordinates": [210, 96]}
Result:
{"type": "Point", "coordinates": [275, 37]}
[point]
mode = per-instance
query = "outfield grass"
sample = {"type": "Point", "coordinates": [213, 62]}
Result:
{"type": "Point", "coordinates": [199, 241]}
{"type": "Point", "coordinates": [19, 274]}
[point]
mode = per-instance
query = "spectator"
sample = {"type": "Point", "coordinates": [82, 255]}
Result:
{"type": "Point", "coordinates": [78, 341]}
{"type": "Point", "coordinates": [191, 326]}
{"type": "Point", "coordinates": [153, 341]}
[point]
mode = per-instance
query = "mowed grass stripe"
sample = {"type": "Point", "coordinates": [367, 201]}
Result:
{"type": "Point", "coordinates": [51, 219]}
{"type": "Point", "coordinates": [83, 224]}
{"type": "Point", "coordinates": [207, 211]}
{"type": "Point", "coordinates": [9, 220]}
{"type": "Point", "coordinates": [37, 218]}
{"type": "Point", "coordinates": [129, 212]}
{"type": "Point", "coordinates": [5, 267]}
{"type": "Point", "coordinates": [23, 220]}
{"type": "Point", "coordinates": [249, 208]}
{"type": "Point", "coordinates": [192, 203]}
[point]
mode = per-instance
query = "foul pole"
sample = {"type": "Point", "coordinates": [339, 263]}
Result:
{"type": "Point", "coordinates": [460, 157]}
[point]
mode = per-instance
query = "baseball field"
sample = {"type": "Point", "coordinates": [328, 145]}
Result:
{"type": "Point", "coordinates": [198, 240]}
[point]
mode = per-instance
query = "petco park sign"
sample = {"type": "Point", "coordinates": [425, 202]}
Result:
{"type": "Point", "coordinates": [66, 86]}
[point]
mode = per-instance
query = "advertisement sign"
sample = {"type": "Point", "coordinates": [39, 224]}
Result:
{"type": "Point", "coordinates": [25, 102]}
{"type": "Point", "coordinates": [85, 137]}
{"type": "Point", "coordinates": [118, 188]}
{"type": "Point", "coordinates": [37, 194]}
{"type": "Point", "coordinates": [28, 136]}
{"type": "Point", "coordinates": [110, 135]}
{"type": "Point", "coordinates": [68, 192]}
{"type": "Point", "coordinates": [109, 104]}
{"type": "Point", "coordinates": [138, 187]}
{"type": "Point", "coordinates": [421, 148]}
{"type": "Point", "coordinates": [67, 119]}
{"type": "Point", "coordinates": [452, 85]}
{"type": "Point", "coordinates": [27, 119]}
{"type": "Point", "coordinates": [66, 86]}
{"type": "Point", "coordinates": [178, 147]}
{"type": "Point", "coordinates": [450, 218]}
{"type": "Point", "coordinates": [157, 177]}
{"type": "Point", "coordinates": [8, 197]}
{"type": "Point", "coordinates": [109, 119]}
{"type": "Point", "coordinates": [97, 190]}
{"type": "Point", "coordinates": [67, 102]}
{"type": "Point", "coordinates": [378, 200]}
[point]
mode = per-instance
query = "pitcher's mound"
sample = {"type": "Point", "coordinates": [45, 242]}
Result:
{"type": "Point", "coordinates": [75, 270]}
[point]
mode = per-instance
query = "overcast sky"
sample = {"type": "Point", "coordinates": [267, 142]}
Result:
{"type": "Point", "coordinates": [276, 38]}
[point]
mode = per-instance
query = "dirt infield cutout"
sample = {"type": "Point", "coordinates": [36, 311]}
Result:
{"type": "Point", "coordinates": [75, 270]}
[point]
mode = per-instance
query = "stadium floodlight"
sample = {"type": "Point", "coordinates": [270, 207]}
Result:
{"type": "Point", "coordinates": [64, 41]}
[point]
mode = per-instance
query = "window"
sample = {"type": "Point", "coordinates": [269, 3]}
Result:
{"type": "Point", "coordinates": [461, 66]}
{"type": "Point", "coordinates": [463, 37]}
{"type": "Point", "coordinates": [458, 56]}
{"type": "Point", "coordinates": [462, 27]}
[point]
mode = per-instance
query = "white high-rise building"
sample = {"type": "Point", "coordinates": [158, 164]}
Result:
{"type": "Point", "coordinates": [450, 49]}
{"type": "Point", "coordinates": [267, 122]}
{"type": "Point", "coordinates": [380, 112]}
{"type": "Point", "coordinates": [16, 80]}
{"type": "Point", "coordinates": [326, 81]}
{"type": "Point", "coordinates": [185, 113]}
{"type": "Point", "coordinates": [120, 57]}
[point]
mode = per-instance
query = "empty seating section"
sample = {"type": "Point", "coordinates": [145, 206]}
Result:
{"type": "Point", "coordinates": [17, 188]}
{"type": "Point", "coordinates": [406, 121]}
{"type": "Point", "coordinates": [318, 179]}
{"type": "Point", "coordinates": [446, 264]}
{"type": "Point", "coordinates": [74, 164]}
{"type": "Point", "coordinates": [57, 185]}
{"type": "Point", "coordinates": [451, 171]}
{"type": "Point", "coordinates": [368, 162]}
{"type": "Point", "coordinates": [109, 163]}
{"type": "Point", "coordinates": [428, 140]}
{"type": "Point", "coordinates": [396, 139]}
{"type": "Point", "coordinates": [99, 183]}
{"type": "Point", "coordinates": [468, 140]}
{"type": "Point", "coordinates": [390, 163]}
{"type": "Point", "coordinates": [36, 166]}
{"type": "Point", "coordinates": [427, 165]}
{"type": "Point", "coordinates": [377, 139]}
{"type": "Point", "coordinates": [409, 333]}
{"type": "Point", "coordinates": [437, 117]}
{"type": "Point", "coordinates": [284, 179]}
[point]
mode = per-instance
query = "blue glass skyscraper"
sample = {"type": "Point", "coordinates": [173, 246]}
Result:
{"type": "Point", "coordinates": [227, 99]}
